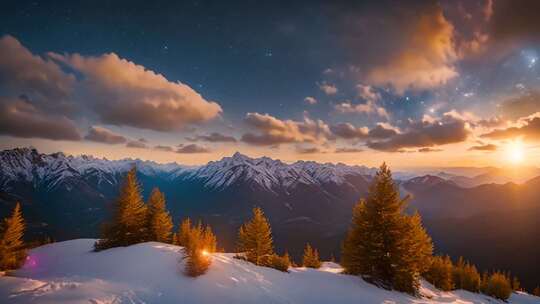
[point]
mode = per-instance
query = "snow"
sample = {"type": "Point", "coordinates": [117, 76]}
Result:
{"type": "Point", "coordinates": [69, 272]}
{"type": "Point", "coordinates": [51, 170]}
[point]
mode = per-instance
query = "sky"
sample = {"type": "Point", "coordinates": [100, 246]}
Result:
{"type": "Point", "coordinates": [412, 83]}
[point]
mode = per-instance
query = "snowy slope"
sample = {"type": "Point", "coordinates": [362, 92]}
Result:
{"type": "Point", "coordinates": [68, 272]}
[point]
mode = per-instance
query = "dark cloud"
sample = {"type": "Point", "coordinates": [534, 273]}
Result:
{"type": "Point", "coordinates": [348, 150]}
{"type": "Point", "coordinates": [308, 150]}
{"type": "Point", "coordinates": [20, 119]}
{"type": "Point", "coordinates": [40, 82]}
{"type": "Point", "coordinates": [141, 143]}
{"type": "Point", "coordinates": [164, 148]}
{"type": "Point", "coordinates": [273, 131]}
{"type": "Point", "coordinates": [422, 134]}
{"type": "Point", "coordinates": [102, 135]}
{"type": "Point", "coordinates": [521, 106]}
{"type": "Point", "coordinates": [192, 148]}
{"type": "Point", "coordinates": [486, 147]}
{"type": "Point", "coordinates": [428, 150]}
{"type": "Point", "coordinates": [516, 21]}
{"type": "Point", "coordinates": [529, 129]}
{"type": "Point", "coordinates": [213, 137]}
{"type": "Point", "coordinates": [348, 131]}
{"type": "Point", "coordinates": [382, 131]}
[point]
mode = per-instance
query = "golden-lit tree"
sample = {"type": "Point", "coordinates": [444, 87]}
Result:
{"type": "Point", "coordinates": [129, 221]}
{"type": "Point", "coordinates": [255, 239]}
{"type": "Point", "coordinates": [12, 249]}
{"type": "Point", "coordinates": [385, 245]}
{"type": "Point", "coordinates": [311, 257]}
{"type": "Point", "coordinates": [159, 221]}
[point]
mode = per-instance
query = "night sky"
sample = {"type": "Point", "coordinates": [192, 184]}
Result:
{"type": "Point", "coordinates": [421, 83]}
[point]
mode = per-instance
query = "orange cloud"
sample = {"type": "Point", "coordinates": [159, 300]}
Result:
{"type": "Point", "coordinates": [124, 93]}
{"type": "Point", "coordinates": [426, 58]}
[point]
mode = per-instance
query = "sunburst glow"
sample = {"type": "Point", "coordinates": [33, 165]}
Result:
{"type": "Point", "coordinates": [515, 152]}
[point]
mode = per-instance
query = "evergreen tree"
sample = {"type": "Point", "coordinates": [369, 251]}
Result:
{"type": "Point", "coordinates": [466, 276]}
{"type": "Point", "coordinates": [384, 245]}
{"type": "Point", "coordinates": [183, 232]}
{"type": "Point", "coordinates": [209, 240]}
{"type": "Point", "coordinates": [12, 250]}
{"type": "Point", "coordinates": [516, 284]}
{"type": "Point", "coordinates": [159, 221]}
{"type": "Point", "coordinates": [311, 257]}
{"type": "Point", "coordinates": [281, 263]}
{"type": "Point", "coordinates": [129, 221]}
{"type": "Point", "coordinates": [536, 291]}
{"type": "Point", "coordinates": [440, 273]}
{"type": "Point", "coordinates": [255, 239]}
{"type": "Point", "coordinates": [499, 286]}
{"type": "Point", "coordinates": [195, 253]}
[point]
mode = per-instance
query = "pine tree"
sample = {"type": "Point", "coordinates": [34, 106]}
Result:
{"type": "Point", "coordinates": [311, 257]}
{"type": "Point", "coordinates": [499, 286]}
{"type": "Point", "coordinates": [209, 240]}
{"type": "Point", "coordinates": [12, 251]}
{"type": "Point", "coordinates": [440, 273]}
{"type": "Point", "coordinates": [255, 239]}
{"type": "Point", "coordinates": [516, 284]}
{"type": "Point", "coordinates": [129, 221]}
{"type": "Point", "coordinates": [384, 245]}
{"type": "Point", "coordinates": [536, 291]}
{"type": "Point", "coordinates": [281, 263]}
{"type": "Point", "coordinates": [183, 232]}
{"type": "Point", "coordinates": [466, 276]}
{"type": "Point", "coordinates": [195, 253]}
{"type": "Point", "coordinates": [159, 221]}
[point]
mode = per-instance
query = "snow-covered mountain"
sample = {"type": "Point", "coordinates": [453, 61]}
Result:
{"type": "Point", "coordinates": [69, 272]}
{"type": "Point", "coordinates": [51, 170]}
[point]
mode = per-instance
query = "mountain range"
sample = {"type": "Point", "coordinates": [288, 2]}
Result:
{"type": "Point", "coordinates": [67, 197]}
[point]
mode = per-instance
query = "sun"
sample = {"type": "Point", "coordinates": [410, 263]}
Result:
{"type": "Point", "coordinates": [515, 152]}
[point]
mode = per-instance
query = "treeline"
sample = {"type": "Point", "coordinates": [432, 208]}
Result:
{"type": "Point", "coordinates": [384, 245]}
{"type": "Point", "coordinates": [447, 276]}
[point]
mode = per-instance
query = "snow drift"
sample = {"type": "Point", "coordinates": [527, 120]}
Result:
{"type": "Point", "coordinates": [69, 272]}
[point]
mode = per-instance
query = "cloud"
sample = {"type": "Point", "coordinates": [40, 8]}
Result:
{"type": "Point", "coordinates": [212, 137]}
{"type": "Point", "coordinates": [521, 106]}
{"type": "Point", "coordinates": [348, 150]}
{"type": "Point", "coordinates": [426, 133]}
{"type": "Point", "coordinates": [428, 150]}
{"type": "Point", "coordinates": [20, 119]}
{"type": "Point", "coordinates": [367, 108]}
{"type": "Point", "coordinates": [527, 128]}
{"type": "Point", "coordinates": [124, 93]}
{"type": "Point", "coordinates": [486, 147]}
{"type": "Point", "coordinates": [103, 135]}
{"type": "Point", "coordinates": [328, 89]}
{"type": "Point", "coordinates": [309, 150]}
{"type": "Point", "coordinates": [164, 148]}
{"type": "Point", "coordinates": [516, 21]}
{"type": "Point", "coordinates": [370, 106]}
{"type": "Point", "coordinates": [422, 54]}
{"type": "Point", "coordinates": [382, 131]}
{"type": "Point", "coordinates": [140, 143]}
{"type": "Point", "coordinates": [35, 95]}
{"type": "Point", "coordinates": [310, 100]}
{"type": "Point", "coordinates": [41, 82]}
{"type": "Point", "coordinates": [273, 131]}
{"type": "Point", "coordinates": [348, 131]}
{"type": "Point", "coordinates": [192, 148]}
